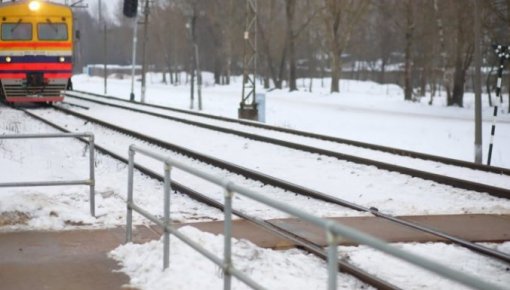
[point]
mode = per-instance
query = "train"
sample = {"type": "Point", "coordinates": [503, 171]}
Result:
{"type": "Point", "coordinates": [36, 51]}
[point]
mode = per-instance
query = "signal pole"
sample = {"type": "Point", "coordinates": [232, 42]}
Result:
{"type": "Point", "coordinates": [133, 59]}
{"type": "Point", "coordinates": [248, 106]}
{"type": "Point", "coordinates": [144, 52]}
{"type": "Point", "coordinates": [503, 52]}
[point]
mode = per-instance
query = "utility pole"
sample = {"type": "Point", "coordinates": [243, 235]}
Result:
{"type": "Point", "coordinates": [248, 106]}
{"type": "Point", "coordinates": [144, 52]}
{"type": "Point", "coordinates": [105, 48]}
{"type": "Point", "coordinates": [133, 59]}
{"type": "Point", "coordinates": [478, 87]}
{"type": "Point", "coordinates": [191, 27]}
{"type": "Point", "coordinates": [195, 59]}
{"type": "Point", "coordinates": [199, 76]}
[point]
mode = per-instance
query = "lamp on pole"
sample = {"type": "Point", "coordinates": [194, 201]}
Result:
{"type": "Point", "coordinates": [130, 10]}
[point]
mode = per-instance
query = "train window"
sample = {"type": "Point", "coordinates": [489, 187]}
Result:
{"type": "Point", "coordinates": [52, 31]}
{"type": "Point", "coordinates": [16, 31]}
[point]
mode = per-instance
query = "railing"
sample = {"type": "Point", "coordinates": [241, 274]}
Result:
{"type": "Point", "coordinates": [332, 230]}
{"type": "Point", "coordinates": [90, 182]}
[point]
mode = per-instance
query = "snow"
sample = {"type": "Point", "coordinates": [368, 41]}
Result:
{"type": "Point", "coordinates": [390, 192]}
{"type": "Point", "coordinates": [57, 208]}
{"type": "Point", "coordinates": [399, 272]}
{"type": "Point", "coordinates": [291, 269]}
{"type": "Point", "coordinates": [363, 111]}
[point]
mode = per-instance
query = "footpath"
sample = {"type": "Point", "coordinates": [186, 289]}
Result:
{"type": "Point", "coordinates": [70, 260]}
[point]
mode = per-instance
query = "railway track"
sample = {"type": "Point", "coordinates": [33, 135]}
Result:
{"type": "Point", "coordinates": [308, 246]}
{"type": "Point", "coordinates": [396, 151]}
{"type": "Point", "coordinates": [288, 186]}
{"type": "Point", "coordinates": [441, 177]}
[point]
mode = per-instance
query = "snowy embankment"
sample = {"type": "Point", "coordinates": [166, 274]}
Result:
{"type": "Point", "coordinates": [56, 208]}
{"type": "Point", "coordinates": [390, 192]}
{"type": "Point", "coordinates": [363, 111]}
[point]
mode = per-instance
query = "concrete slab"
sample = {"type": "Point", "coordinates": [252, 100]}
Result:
{"type": "Point", "coordinates": [473, 227]}
{"type": "Point", "coordinates": [78, 259]}
{"type": "Point", "coordinates": [63, 260]}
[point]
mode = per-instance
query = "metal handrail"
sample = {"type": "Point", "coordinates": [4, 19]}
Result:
{"type": "Point", "coordinates": [90, 182]}
{"type": "Point", "coordinates": [333, 230]}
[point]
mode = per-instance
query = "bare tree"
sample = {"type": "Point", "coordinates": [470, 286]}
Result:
{"type": "Point", "coordinates": [340, 19]}
{"type": "Point", "coordinates": [464, 50]}
{"type": "Point", "coordinates": [274, 46]}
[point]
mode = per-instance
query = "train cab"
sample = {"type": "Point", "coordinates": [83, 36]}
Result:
{"type": "Point", "coordinates": [36, 47]}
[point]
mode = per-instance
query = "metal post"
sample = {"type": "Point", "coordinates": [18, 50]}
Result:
{"type": "Point", "coordinates": [133, 59]}
{"type": "Point", "coordinates": [227, 249]}
{"type": "Point", "coordinates": [166, 210]}
{"type": "Point", "coordinates": [145, 40]}
{"type": "Point", "coordinates": [92, 176]}
{"type": "Point", "coordinates": [248, 106]}
{"type": "Point", "coordinates": [105, 68]}
{"type": "Point", "coordinates": [194, 62]}
{"type": "Point", "coordinates": [129, 215]}
{"type": "Point", "coordinates": [478, 87]}
{"type": "Point", "coordinates": [332, 259]}
{"type": "Point", "coordinates": [105, 59]}
{"type": "Point", "coordinates": [199, 77]}
{"type": "Point", "coordinates": [503, 53]}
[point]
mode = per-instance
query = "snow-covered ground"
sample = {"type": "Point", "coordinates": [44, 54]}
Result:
{"type": "Point", "coordinates": [363, 111]}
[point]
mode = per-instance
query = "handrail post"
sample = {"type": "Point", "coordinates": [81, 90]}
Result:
{"type": "Point", "coordinates": [92, 175]}
{"type": "Point", "coordinates": [334, 231]}
{"type": "Point", "coordinates": [167, 189]}
{"type": "Point", "coordinates": [227, 248]}
{"type": "Point", "coordinates": [332, 240]}
{"type": "Point", "coordinates": [129, 215]}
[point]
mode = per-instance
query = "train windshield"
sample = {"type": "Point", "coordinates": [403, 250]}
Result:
{"type": "Point", "coordinates": [52, 31]}
{"type": "Point", "coordinates": [16, 31]}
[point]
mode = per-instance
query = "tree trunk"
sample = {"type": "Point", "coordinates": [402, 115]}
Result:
{"type": "Point", "coordinates": [459, 79]}
{"type": "Point", "coordinates": [228, 52]}
{"type": "Point", "coordinates": [508, 21]}
{"type": "Point", "coordinates": [217, 69]}
{"type": "Point", "coordinates": [408, 86]}
{"type": "Point", "coordinates": [463, 55]}
{"type": "Point", "coordinates": [488, 85]}
{"type": "Point", "coordinates": [335, 73]}
{"type": "Point", "coordinates": [382, 76]}
{"type": "Point", "coordinates": [290, 9]}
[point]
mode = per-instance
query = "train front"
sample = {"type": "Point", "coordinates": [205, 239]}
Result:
{"type": "Point", "coordinates": [35, 51]}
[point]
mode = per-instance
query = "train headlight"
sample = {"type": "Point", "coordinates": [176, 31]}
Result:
{"type": "Point", "coordinates": [34, 5]}
{"type": "Point", "coordinates": [8, 59]}
{"type": "Point", "coordinates": [62, 59]}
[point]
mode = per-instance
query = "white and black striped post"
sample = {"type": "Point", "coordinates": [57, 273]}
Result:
{"type": "Point", "coordinates": [503, 52]}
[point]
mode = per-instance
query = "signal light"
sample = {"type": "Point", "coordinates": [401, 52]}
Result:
{"type": "Point", "coordinates": [8, 59]}
{"type": "Point", "coordinates": [130, 8]}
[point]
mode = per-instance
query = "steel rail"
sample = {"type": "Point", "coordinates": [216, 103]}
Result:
{"type": "Point", "coordinates": [305, 245]}
{"type": "Point", "coordinates": [401, 152]}
{"type": "Point", "coordinates": [251, 174]}
{"type": "Point", "coordinates": [452, 181]}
